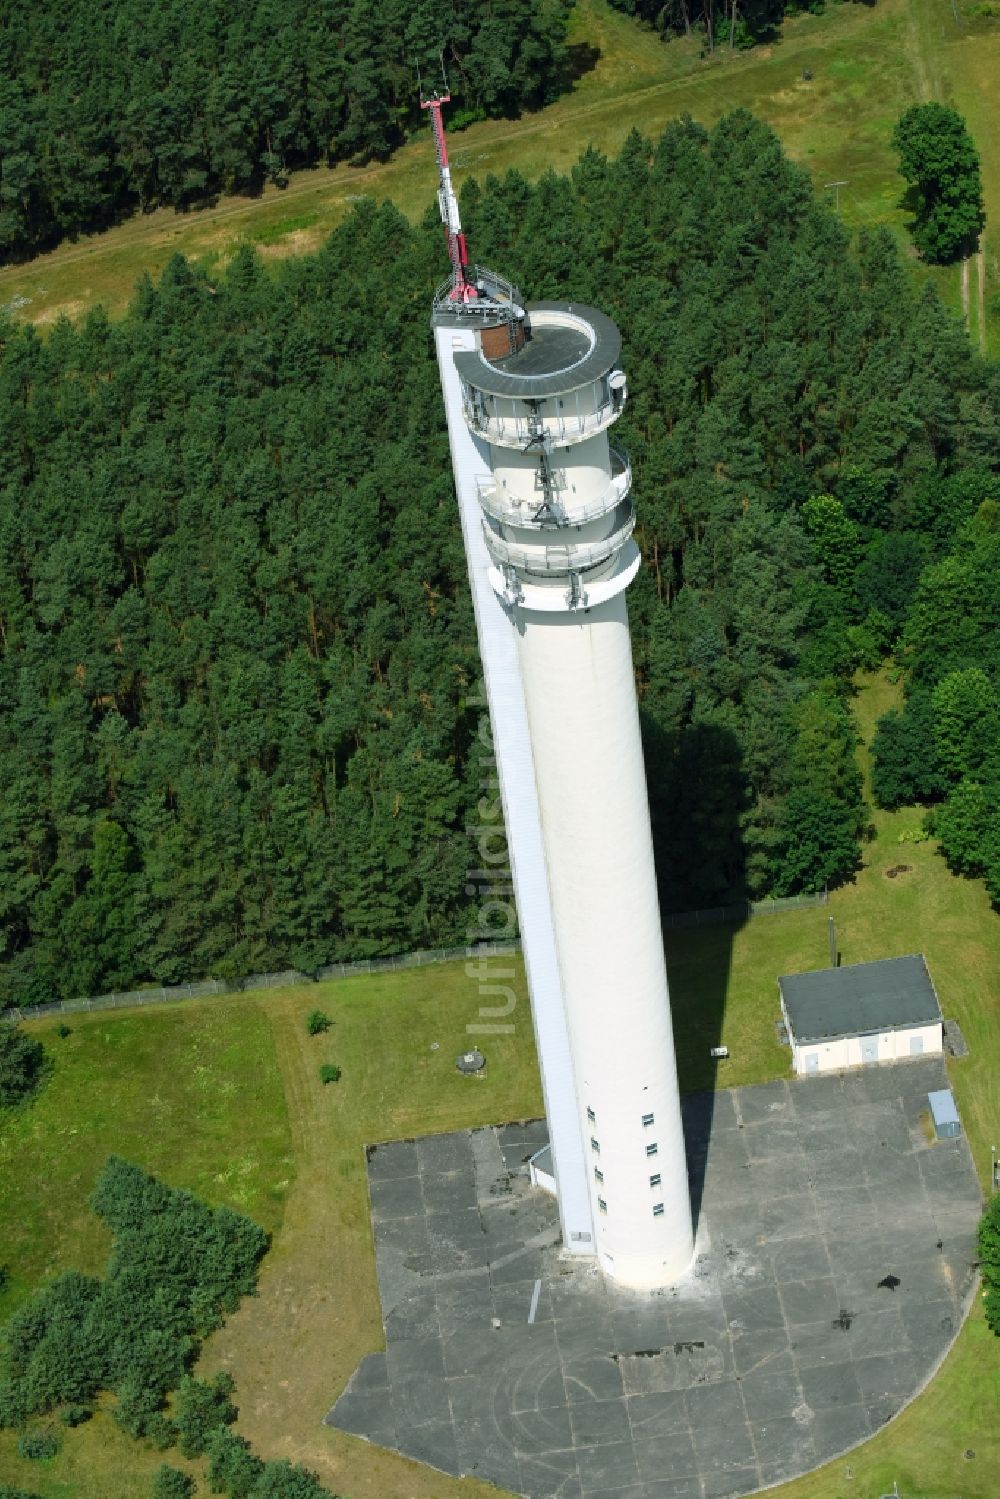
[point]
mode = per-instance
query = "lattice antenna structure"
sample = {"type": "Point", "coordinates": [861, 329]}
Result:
{"type": "Point", "coordinates": [462, 288]}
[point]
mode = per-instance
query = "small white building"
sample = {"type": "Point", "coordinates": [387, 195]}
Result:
{"type": "Point", "coordinates": [861, 1014]}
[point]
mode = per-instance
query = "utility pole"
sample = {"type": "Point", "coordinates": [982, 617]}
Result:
{"type": "Point", "coordinates": [835, 187]}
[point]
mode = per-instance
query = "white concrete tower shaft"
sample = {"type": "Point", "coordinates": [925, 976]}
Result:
{"type": "Point", "coordinates": [547, 519]}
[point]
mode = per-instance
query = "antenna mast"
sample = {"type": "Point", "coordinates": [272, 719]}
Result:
{"type": "Point", "coordinates": [462, 289]}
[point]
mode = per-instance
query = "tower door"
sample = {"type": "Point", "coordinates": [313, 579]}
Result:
{"type": "Point", "coordinates": [869, 1050]}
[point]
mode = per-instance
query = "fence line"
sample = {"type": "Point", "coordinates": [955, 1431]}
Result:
{"type": "Point", "coordinates": [133, 998]}
{"type": "Point", "coordinates": [744, 911]}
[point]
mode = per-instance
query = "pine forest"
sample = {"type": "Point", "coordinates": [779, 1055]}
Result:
{"type": "Point", "coordinates": [239, 682]}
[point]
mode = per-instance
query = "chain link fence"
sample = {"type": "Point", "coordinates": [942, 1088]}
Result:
{"type": "Point", "coordinates": [744, 911]}
{"type": "Point", "coordinates": [132, 998]}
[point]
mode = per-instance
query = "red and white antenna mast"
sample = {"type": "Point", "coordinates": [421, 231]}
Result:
{"type": "Point", "coordinates": [462, 289]}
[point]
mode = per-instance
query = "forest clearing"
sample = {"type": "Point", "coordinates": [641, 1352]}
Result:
{"type": "Point", "coordinates": [168, 1089]}
{"type": "Point", "coordinates": [832, 86]}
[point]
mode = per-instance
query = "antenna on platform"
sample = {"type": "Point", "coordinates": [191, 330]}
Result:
{"type": "Point", "coordinates": [462, 289]}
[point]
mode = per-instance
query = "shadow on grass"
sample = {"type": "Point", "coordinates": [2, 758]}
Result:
{"type": "Point", "coordinates": [697, 792]}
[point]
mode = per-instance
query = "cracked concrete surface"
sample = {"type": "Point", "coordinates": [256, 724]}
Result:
{"type": "Point", "coordinates": [779, 1350]}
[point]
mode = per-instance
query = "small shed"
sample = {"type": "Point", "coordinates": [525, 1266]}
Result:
{"type": "Point", "coordinates": [861, 1014]}
{"type": "Point", "coordinates": [945, 1114]}
{"type": "Point", "coordinates": [540, 1170]}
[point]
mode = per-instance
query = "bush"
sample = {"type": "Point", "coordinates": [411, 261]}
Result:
{"type": "Point", "coordinates": [201, 1407]}
{"type": "Point", "coordinates": [6, 1492]}
{"type": "Point", "coordinates": [177, 1266]}
{"type": "Point", "coordinates": [22, 1063]}
{"type": "Point", "coordinates": [318, 1022]}
{"type": "Point", "coordinates": [329, 1073]}
{"type": "Point", "coordinates": [75, 1415]}
{"type": "Point", "coordinates": [38, 1445]}
{"type": "Point", "coordinates": [171, 1483]}
{"type": "Point", "coordinates": [63, 1030]}
{"type": "Point", "coordinates": [989, 1261]}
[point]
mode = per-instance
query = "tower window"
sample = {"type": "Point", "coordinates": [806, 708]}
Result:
{"type": "Point", "coordinates": [657, 1209]}
{"type": "Point", "coordinates": [652, 1149]}
{"type": "Point", "coordinates": [591, 1116]}
{"type": "Point", "coordinates": [654, 1181]}
{"type": "Point", "coordinates": [595, 1145]}
{"type": "Point", "coordinates": [598, 1174]}
{"type": "Point", "coordinates": [602, 1206]}
{"type": "Point", "coordinates": [647, 1120]}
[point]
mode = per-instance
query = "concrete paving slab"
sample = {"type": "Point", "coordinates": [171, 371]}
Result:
{"type": "Point", "coordinates": [611, 1465]}
{"type": "Point", "coordinates": [391, 1161]}
{"type": "Point", "coordinates": [830, 1387]}
{"type": "Point", "coordinates": [431, 1444]}
{"type": "Point", "coordinates": [778, 1351]}
{"type": "Point", "coordinates": [671, 1456]}
{"type": "Point", "coordinates": [553, 1474]}
{"type": "Point", "coordinates": [655, 1415]}
{"type": "Point", "coordinates": [771, 1390]}
{"type": "Point", "coordinates": [397, 1199]}
{"type": "Point", "coordinates": [447, 1192]}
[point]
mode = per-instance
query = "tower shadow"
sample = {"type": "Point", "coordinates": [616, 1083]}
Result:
{"type": "Point", "coordinates": [697, 792]}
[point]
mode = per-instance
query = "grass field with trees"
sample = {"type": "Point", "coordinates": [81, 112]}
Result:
{"type": "Point", "coordinates": [867, 66]}
{"type": "Point", "coordinates": [272, 1141]}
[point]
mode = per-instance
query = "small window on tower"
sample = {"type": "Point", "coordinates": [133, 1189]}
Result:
{"type": "Point", "coordinates": [595, 1145]}
{"type": "Point", "coordinates": [598, 1174]}
{"type": "Point", "coordinates": [654, 1180]}
{"type": "Point", "coordinates": [652, 1149]}
{"type": "Point", "coordinates": [647, 1120]}
{"type": "Point", "coordinates": [591, 1116]}
{"type": "Point", "coordinates": [657, 1209]}
{"type": "Point", "coordinates": [602, 1206]}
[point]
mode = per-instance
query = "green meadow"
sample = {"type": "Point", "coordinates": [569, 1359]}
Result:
{"type": "Point", "coordinates": [832, 85]}
{"type": "Point", "coordinates": [223, 1096]}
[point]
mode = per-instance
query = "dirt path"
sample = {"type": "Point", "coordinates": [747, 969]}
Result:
{"type": "Point", "coordinates": [965, 292]}
{"type": "Point", "coordinates": [981, 299]}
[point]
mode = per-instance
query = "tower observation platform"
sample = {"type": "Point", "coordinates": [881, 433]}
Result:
{"type": "Point", "coordinates": [531, 392]}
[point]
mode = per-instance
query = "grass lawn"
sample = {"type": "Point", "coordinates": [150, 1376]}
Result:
{"type": "Point", "coordinates": [868, 63]}
{"type": "Point", "coordinates": [224, 1096]}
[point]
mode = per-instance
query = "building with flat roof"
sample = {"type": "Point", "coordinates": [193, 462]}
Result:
{"type": "Point", "coordinates": [861, 1014]}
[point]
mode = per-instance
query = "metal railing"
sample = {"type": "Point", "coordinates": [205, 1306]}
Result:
{"type": "Point", "coordinates": [500, 506]}
{"type": "Point", "coordinates": [567, 557]}
{"type": "Point", "coordinates": [500, 295]}
{"type": "Point", "coordinates": [518, 431]}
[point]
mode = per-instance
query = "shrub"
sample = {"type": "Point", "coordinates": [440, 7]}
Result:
{"type": "Point", "coordinates": [318, 1022]}
{"type": "Point", "coordinates": [75, 1415]}
{"type": "Point", "coordinates": [232, 1467]}
{"type": "Point", "coordinates": [171, 1483]}
{"type": "Point", "coordinates": [177, 1266]}
{"type": "Point", "coordinates": [6, 1492]}
{"type": "Point", "coordinates": [201, 1407]}
{"type": "Point", "coordinates": [989, 1261]}
{"type": "Point", "coordinates": [63, 1030]}
{"type": "Point", "coordinates": [22, 1063]}
{"type": "Point", "coordinates": [329, 1073]}
{"type": "Point", "coordinates": [38, 1444]}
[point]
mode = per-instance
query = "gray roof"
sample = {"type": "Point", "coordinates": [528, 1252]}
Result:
{"type": "Point", "coordinates": [859, 999]}
{"type": "Point", "coordinates": [552, 360]}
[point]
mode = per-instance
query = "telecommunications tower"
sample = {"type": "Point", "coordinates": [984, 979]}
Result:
{"type": "Point", "coordinates": [530, 393]}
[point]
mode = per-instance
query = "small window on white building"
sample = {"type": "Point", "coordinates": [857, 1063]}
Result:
{"type": "Point", "coordinates": [591, 1116]}
{"type": "Point", "coordinates": [652, 1149]}
{"type": "Point", "coordinates": [602, 1206]}
{"type": "Point", "coordinates": [647, 1120]}
{"type": "Point", "coordinates": [595, 1145]}
{"type": "Point", "coordinates": [598, 1174]}
{"type": "Point", "coordinates": [657, 1209]}
{"type": "Point", "coordinates": [654, 1180]}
